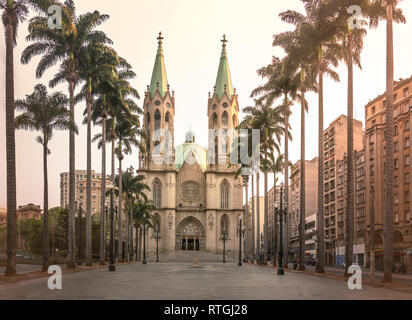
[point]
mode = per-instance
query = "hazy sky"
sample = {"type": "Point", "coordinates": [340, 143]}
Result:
{"type": "Point", "coordinates": [192, 30]}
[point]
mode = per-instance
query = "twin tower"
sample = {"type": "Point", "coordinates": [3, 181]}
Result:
{"type": "Point", "coordinates": [159, 107]}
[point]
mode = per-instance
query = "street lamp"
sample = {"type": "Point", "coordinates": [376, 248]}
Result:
{"type": "Point", "coordinates": [144, 243]}
{"type": "Point", "coordinates": [240, 234]}
{"type": "Point", "coordinates": [79, 217]}
{"type": "Point", "coordinates": [281, 212]}
{"type": "Point", "coordinates": [224, 237]}
{"type": "Point", "coordinates": [111, 265]}
{"type": "Point", "coordinates": [157, 243]}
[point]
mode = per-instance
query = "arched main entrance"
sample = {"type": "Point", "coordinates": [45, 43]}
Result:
{"type": "Point", "coordinates": [190, 235]}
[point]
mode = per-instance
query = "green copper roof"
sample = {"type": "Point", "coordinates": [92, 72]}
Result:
{"type": "Point", "coordinates": [183, 154]}
{"type": "Point", "coordinates": [223, 74]}
{"type": "Point", "coordinates": [159, 72]}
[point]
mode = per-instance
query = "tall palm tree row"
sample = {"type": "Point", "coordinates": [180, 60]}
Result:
{"type": "Point", "coordinates": [44, 113]}
{"type": "Point", "coordinates": [64, 46]}
{"type": "Point", "coordinates": [13, 13]}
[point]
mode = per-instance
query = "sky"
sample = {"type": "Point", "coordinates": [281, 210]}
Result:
{"type": "Point", "coordinates": [192, 30]}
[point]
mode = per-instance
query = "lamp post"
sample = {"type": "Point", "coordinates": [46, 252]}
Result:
{"type": "Point", "coordinates": [111, 253]}
{"type": "Point", "coordinates": [224, 237]}
{"type": "Point", "coordinates": [280, 212]}
{"type": "Point", "coordinates": [144, 244]}
{"type": "Point", "coordinates": [79, 217]}
{"type": "Point", "coordinates": [157, 243]}
{"type": "Point", "coordinates": [240, 242]}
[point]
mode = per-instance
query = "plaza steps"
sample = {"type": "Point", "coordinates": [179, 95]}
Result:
{"type": "Point", "coordinates": [190, 256]}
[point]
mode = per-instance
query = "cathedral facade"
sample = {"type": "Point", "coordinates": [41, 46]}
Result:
{"type": "Point", "coordinates": [197, 196]}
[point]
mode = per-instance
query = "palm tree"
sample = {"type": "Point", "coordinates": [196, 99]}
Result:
{"type": "Point", "coordinates": [133, 189]}
{"type": "Point", "coordinates": [127, 130]}
{"type": "Point", "coordinates": [319, 50]}
{"type": "Point", "coordinates": [142, 218]}
{"type": "Point", "coordinates": [279, 84]}
{"type": "Point", "coordinates": [45, 113]}
{"type": "Point", "coordinates": [275, 165]}
{"type": "Point", "coordinates": [65, 46]}
{"type": "Point", "coordinates": [263, 116]}
{"type": "Point", "coordinates": [13, 12]}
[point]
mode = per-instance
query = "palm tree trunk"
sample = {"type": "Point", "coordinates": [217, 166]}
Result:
{"type": "Point", "coordinates": [320, 264]}
{"type": "Point", "coordinates": [113, 184]}
{"type": "Point", "coordinates": [127, 233]}
{"type": "Point", "coordinates": [103, 194]}
{"type": "Point", "coordinates": [45, 210]}
{"type": "Point", "coordinates": [388, 221]}
{"type": "Point", "coordinates": [89, 180]}
{"type": "Point", "coordinates": [120, 235]}
{"type": "Point", "coordinates": [140, 244]}
{"type": "Point", "coordinates": [274, 253]}
{"type": "Point", "coordinates": [258, 216]}
{"type": "Point", "coordinates": [302, 236]}
{"type": "Point", "coordinates": [350, 216]}
{"type": "Point", "coordinates": [246, 247]}
{"type": "Point", "coordinates": [265, 226]}
{"type": "Point", "coordinates": [285, 221]}
{"type": "Point", "coordinates": [136, 244]}
{"type": "Point", "coordinates": [72, 184]}
{"type": "Point", "coordinates": [253, 220]}
{"type": "Point", "coordinates": [10, 154]}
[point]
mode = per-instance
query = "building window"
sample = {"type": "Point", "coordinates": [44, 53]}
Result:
{"type": "Point", "coordinates": [157, 193]}
{"type": "Point", "coordinates": [405, 92]}
{"type": "Point", "coordinates": [396, 181]}
{"type": "Point", "coordinates": [396, 218]}
{"type": "Point", "coordinates": [224, 195]}
{"type": "Point", "coordinates": [341, 205]}
{"type": "Point", "coordinates": [396, 147]}
{"type": "Point", "coordinates": [360, 185]}
{"type": "Point", "coordinates": [407, 196]}
{"type": "Point", "coordinates": [225, 119]}
{"type": "Point", "coordinates": [361, 198]}
{"type": "Point", "coordinates": [158, 118]}
{"type": "Point", "coordinates": [396, 163]}
{"type": "Point", "coordinates": [396, 131]}
{"type": "Point", "coordinates": [407, 142]}
{"type": "Point", "coordinates": [214, 121]}
{"type": "Point", "coordinates": [360, 213]}
{"type": "Point", "coordinates": [406, 178]}
{"type": "Point", "coordinates": [373, 110]}
{"type": "Point", "coordinates": [407, 125]}
{"type": "Point", "coordinates": [396, 198]}
{"type": "Point", "coordinates": [224, 225]}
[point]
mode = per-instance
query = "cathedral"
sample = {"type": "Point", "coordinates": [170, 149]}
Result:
{"type": "Point", "coordinates": [197, 200]}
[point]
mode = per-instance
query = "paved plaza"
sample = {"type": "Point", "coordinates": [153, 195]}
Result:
{"type": "Point", "coordinates": [181, 281]}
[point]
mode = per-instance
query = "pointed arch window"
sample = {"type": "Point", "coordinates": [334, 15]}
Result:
{"type": "Point", "coordinates": [156, 225]}
{"type": "Point", "coordinates": [225, 119]}
{"type": "Point", "coordinates": [224, 195]}
{"type": "Point", "coordinates": [157, 193]}
{"type": "Point", "coordinates": [148, 130]}
{"type": "Point", "coordinates": [158, 117]}
{"type": "Point", "coordinates": [224, 225]}
{"type": "Point", "coordinates": [214, 121]}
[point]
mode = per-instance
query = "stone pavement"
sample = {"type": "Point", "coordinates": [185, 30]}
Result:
{"type": "Point", "coordinates": [189, 256]}
{"type": "Point", "coordinates": [180, 281]}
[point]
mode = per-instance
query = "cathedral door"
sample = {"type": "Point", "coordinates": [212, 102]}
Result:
{"type": "Point", "coordinates": [190, 237]}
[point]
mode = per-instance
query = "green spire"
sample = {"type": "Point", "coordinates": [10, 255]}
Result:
{"type": "Point", "coordinates": [159, 78]}
{"type": "Point", "coordinates": [224, 80]}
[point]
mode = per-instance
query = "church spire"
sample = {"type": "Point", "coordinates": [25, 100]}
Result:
{"type": "Point", "coordinates": [159, 78]}
{"type": "Point", "coordinates": [224, 80]}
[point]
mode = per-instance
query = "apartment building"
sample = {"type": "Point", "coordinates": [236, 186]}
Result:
{"type": "Point", "coordinates": [336, 252]}
{"type": "Point", "coordinates": [29, 211]}
{"type": "Point", "coordinates": [81, 178]}
{"type": "Point", "coordinates": [273, 228]}
{"type": "Point", "coordinates": [311, 200]}
{"type": "Point", "coordinates": [335, 147]}
{"type": "Point", "coordinates": [375, 175]}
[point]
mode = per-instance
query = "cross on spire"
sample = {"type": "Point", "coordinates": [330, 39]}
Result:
{"type": "Point", "coordinates": [224, 41]}
{"type": "Point", "coordinates": [160, 38]}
